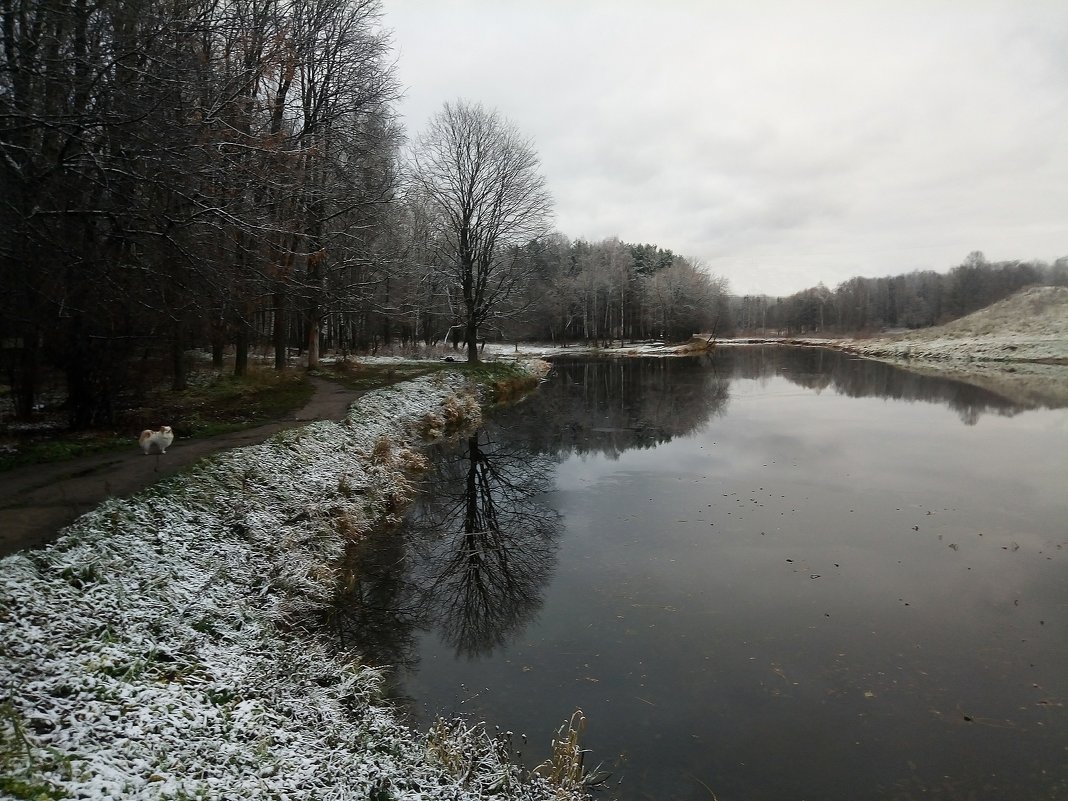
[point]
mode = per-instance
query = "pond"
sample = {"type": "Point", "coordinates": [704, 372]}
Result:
{"type": "Point", "coordinates": [768, 574]}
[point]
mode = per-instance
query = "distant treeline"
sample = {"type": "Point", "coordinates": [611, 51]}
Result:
{"type": "Point", "coordinates": [610, 290]}
{"type": "Point", "coordinates": [913, 300]}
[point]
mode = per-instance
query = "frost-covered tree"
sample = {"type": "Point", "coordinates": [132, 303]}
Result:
{"type": "Point", "coordinates": [482, 180]}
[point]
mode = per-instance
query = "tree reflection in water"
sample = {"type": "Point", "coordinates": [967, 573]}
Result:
{"type": "Point", "coordinates": [479, 545]}
{"type": "Point", "coordinates": [484, 544]}
{"type": "Point", "coordinates": [472, 561]}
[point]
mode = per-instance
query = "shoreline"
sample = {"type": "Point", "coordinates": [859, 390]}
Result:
{"type": "Point", "coordinates": [1029, 381]}
{"type": "Point", "coordinates": [159, 647]}
{"type": "Point", "coordinates": [1032, 382]}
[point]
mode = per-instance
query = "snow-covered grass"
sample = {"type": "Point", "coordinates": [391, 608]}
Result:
{"type": "Point", "coordinates": [156, 650]}
{"type": "Point", "coordinates": [1029, 326]}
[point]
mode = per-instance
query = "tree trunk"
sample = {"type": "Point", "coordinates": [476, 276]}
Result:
{"type": "Point", "coordinates": [387, 329]}
{"type": "Point", "coordinates": [472, 342]}
{"type": "Point", "coordinates": [313, 339]}
{"type": "Point", "coordinates": [179, 382]}
{"type": "Point", "coordinates": [241, 349]}
{"type": "Point", "coordinates": [279, 328]}
{"type": "Point", "coordinates": [23, 376]}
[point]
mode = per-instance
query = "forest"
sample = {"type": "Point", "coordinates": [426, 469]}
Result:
{"type": "Point", "coordinates": [230, 177]}
{"type": "Point", "coordinates": [210, 179]}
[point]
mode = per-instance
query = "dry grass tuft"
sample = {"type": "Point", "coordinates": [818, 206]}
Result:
{"type": "Point", "coordinates": [458, 412]}
{"type": "Point", "coordinates": [565, 767]}
{"type": "Point", "coordinates": [480, 762]}
{"type": "Point", "coordinates": [432, 426]}
{"type": "Point", "coordinates": [349, 525]}
{"type": "Point", "coordinates": [508, 389]}
{"type": "Point", "coordinates": [696, 345]}
{"type": "Point", "coordinates": [382, 452]}
{"type": "Point", "coordinates": [409, 459]}
{"type": "Point", "coordinates": [445, 747]}
{"type": "Point", "coordinates": [461, 410]}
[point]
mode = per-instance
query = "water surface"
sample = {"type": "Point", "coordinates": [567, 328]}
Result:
{"type": "Point", "coordinates": [770, 574]}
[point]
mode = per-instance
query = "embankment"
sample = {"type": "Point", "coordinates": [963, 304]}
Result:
{"type": "Point", "coordinates": [158, 649]}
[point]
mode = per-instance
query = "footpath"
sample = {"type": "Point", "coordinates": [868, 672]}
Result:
{"type": "Point", "coordinates": [38, 500]}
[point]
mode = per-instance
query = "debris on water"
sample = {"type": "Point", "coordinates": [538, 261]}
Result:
{"type": "Point", "coordinates": [814, 576]}
{"type": "Point", "coordinates": [915, 528]}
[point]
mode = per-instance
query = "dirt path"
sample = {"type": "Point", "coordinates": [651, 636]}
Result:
{"type": "Point", "coordinates": [37, 501]}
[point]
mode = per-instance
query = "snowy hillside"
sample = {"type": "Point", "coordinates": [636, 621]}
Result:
{"type": "Point", "coordinates": [1031, 325]}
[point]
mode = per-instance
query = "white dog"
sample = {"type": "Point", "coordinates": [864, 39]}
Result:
{"type": "Point", "coordinates": [161, 439]}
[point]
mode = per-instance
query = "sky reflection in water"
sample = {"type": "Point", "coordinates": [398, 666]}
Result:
{"type": "Point", "coordinates": [777, 573]}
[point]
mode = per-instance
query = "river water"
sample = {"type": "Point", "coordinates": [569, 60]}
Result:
{"type": "Point", "coordinates": [769, 574]}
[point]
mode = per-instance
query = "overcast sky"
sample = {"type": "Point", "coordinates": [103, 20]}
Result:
{"type": "Point", "coordinates": [778, 143]}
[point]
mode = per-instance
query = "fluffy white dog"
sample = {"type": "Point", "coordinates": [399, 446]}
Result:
{"type": "Point", "coordinates": [161, 439]}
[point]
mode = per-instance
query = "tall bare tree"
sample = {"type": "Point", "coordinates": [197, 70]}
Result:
{"type": "Point", "coordinates": [482, 180]}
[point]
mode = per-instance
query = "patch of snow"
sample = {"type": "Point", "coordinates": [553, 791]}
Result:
{"type": "Point", "coordinates": [1031, 325]}
{"type": "Point", "coordinates": [154, 651]}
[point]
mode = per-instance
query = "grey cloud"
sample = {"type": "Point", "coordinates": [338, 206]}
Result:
{"type": "Point", "coordinates": [780, 144]}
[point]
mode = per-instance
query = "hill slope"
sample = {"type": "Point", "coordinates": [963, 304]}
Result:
{"type": "Point", "coordinates": [1031, 325]}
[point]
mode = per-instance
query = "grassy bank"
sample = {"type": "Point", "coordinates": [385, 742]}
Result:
{"type": "Point", "coordinates": [214, 403]}
{"type": "Point", "coordinates": [502, 380]}
{"type": "Point", "coordinates": [157, 650]}
{"type": "Point", "coordinates": [218, 403]}
{"type": "Point", "coordinates": [364, 376]}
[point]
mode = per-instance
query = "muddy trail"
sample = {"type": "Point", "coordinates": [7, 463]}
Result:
{"type": "Point", "coordinates": [38, 500]}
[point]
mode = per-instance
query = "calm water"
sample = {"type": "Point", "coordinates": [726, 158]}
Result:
{"type": "Point", "coordinates": [773, 574]}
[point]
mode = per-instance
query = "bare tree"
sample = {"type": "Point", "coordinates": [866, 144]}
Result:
{"type": "Point", "coordinates": [482, 180]}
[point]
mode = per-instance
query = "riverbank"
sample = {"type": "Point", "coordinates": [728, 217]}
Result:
{"type": "Point", "coordinates": [1017, 347]}
{"type": "Point", "coordinates": [38, 500]}
{"type": "Point", "coordinates": [163, 646]}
